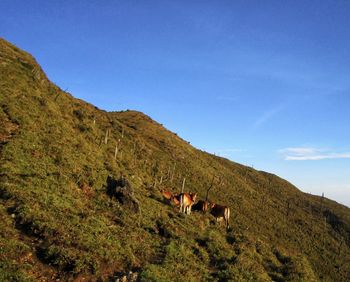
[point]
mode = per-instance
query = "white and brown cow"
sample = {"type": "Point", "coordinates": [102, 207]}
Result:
{"type": "Point", "coordinates": [186, 202]}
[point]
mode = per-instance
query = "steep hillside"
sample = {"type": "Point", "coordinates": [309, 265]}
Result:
{"type": "Point", "coordinates": [57, 220]}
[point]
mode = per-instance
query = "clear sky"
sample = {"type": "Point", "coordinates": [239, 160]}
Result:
{"type": "Point", "coordinates": [264, 83]}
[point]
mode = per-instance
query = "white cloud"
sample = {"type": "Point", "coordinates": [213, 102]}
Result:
{"type": "Point", "coordinates": [319, 157]}
{"type": "Point", "coordinates": [310, 153]}
{"type": "Point", "coordinates": [267, 115]}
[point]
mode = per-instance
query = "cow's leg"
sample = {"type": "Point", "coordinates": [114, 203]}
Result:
{"type": "Point", "coordinates": [181, 203]}
{"type": "Point", "coordinates": [227, 217]}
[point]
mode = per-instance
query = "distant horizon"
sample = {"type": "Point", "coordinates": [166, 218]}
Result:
{"type": "Point", "coordinates": [262, 84]}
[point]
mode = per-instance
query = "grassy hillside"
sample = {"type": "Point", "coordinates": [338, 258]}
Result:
{"type": "Point", "coordinates": [57, 220]}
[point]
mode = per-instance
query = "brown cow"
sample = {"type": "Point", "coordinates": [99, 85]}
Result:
{"type": "Point", "coordinates": [186, 202]}
{"type": "Point", "coordinates": [166, 194]}
{"type": "Point", "coordinates": [176, 199]}
{"type": "Point", "coordinates": [201, 206]}
{"type": "Point", "coordinates": [221, 212]}
{"type": "Point", "coordinates": [169, 197]}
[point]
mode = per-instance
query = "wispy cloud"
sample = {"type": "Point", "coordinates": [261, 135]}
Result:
{"type": "Point", "coordinates": [311, 154]}
{"type": "Point", "coordinates": [267, 116]}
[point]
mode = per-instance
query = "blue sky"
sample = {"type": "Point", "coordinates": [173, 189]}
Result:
{"type": "Point", "coordinates": [264, 83]}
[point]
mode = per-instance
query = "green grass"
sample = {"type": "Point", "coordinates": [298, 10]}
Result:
{"type": "Point", "coordinates": [54, 205]}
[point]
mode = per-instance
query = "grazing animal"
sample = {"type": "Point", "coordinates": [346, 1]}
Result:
{"type": "Point", "coordinates": [201, 205]}
{"type": "Point", "coordinates": [221, 212]}
{"type": "Point", "coordinates": [176, 199]}
{"type": "Point", "coordinates": [186, 202]}
{"type": "Point", "coordinates": [167, 195]}
{"type": "Point", "coordinates": [171, 198]}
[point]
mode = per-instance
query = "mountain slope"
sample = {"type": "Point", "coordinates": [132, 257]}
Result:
{"type": "Point", "coordinates": [58, 221]}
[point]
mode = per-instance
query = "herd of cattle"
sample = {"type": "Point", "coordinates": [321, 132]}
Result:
{"type": "Point", "coordinates": [187, 202]}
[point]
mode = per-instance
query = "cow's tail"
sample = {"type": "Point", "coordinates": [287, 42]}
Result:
{"type": "Point", "coordinates": [227, 217]}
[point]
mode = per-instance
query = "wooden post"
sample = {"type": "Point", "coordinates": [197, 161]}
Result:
{"type": "Point", "coordinates": [340, 245]}
{"type": "Point", "coordinates": [59, 93]}
{"type": "Point", "coordinates": [288, 208]}
{"type": "Point", "coordinates": [106, 137]}
{"type": "Point", "coordinates": [172, 176]}
{"type": "Point", "coordinates": [116, 151]}
{"type": "Point", "coordinates": [155, 169]}
{"type": "Point", "coordinates": [168, 173]}
{"type": "Point", "coordinates": [325, 229]}
{"type": "Point", "coordinates": [183, 185]}
{"type": "Point", "coordinates": [134, 154]}
{"type": "Point", "coordinates": [322, 199]}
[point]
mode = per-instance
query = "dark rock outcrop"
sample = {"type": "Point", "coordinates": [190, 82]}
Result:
{"type": "Point", "coordinates": [122, 191]}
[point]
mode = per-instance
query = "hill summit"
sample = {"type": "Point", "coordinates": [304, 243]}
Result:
{"type": "Point", "coordinates": [59, 221]}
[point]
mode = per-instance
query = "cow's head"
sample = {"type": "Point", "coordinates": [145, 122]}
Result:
{"type": "Point", "coordinates": [193, 196]}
